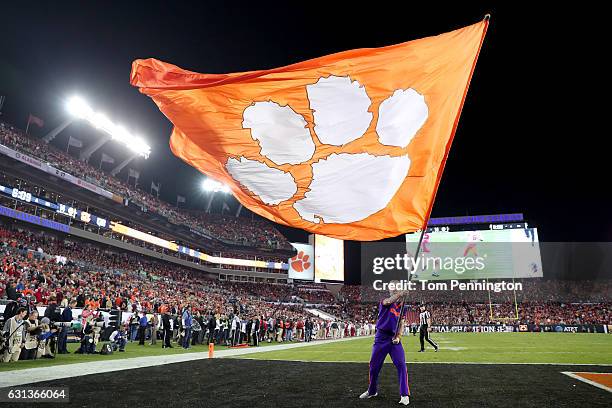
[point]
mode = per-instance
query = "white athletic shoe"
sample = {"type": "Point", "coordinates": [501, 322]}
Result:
{"type": "Point", "coordinates": [366, 395]}
{"type": "Point", "coordinates": [405, 400]}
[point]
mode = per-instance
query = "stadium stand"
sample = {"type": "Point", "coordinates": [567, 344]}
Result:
{"type": "Point", "coordinates": [122, 280]}
{"type": "Point", "coordinates": [213, 247]}
{"type": "Point", "coordinates": [37, 269]}
{"type": "Point", "coordinates": [257, 233]}
{"type": "Point", "coordinates": [539, 302]}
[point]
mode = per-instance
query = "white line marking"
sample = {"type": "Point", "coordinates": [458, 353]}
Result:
{"type": "Point", "coordinates": [593, 383]}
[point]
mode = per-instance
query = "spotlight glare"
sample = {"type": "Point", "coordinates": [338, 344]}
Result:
{"type": "Point", "coordinates": [214, 186]}
{"type": "Point", "coordinates": [79, 108]}
{"type": "Point", "coordinates": [100, 121]}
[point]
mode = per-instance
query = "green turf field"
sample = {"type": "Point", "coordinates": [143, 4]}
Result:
{"type": "Point", "coordinates": [564, 348]}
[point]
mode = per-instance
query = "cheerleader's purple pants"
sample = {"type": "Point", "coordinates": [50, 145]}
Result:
{"type": "Point", "coordinates": [383, 345]}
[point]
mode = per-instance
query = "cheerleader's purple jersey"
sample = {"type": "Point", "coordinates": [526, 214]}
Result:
{"type": "Point", "coordinates": [386, 324]}
{"type": "Point", "coordinates": [388, 317]}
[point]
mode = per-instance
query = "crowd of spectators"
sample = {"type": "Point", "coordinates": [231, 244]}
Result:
{"type": "Point", "coordinates": [131, 278]}
{"type": "Point", "coordinates": [243, 231]}
{"type": "Point", "coordinates": [212, 247]}
{"type": "Point", "coordinates": [44, 270]}
{"type": "Point", "coordinates": [533, 290]}
{"type": "Point", "coordinates": [538, 313]}
{"type": "Point", "coordinates": [105, 279]}
{"type": "Point", "coordinates": [539, 302]}
{"type": "Point", "coordinates": [255, 232]}
{"type": "Point", "coordinates": [123, 280]}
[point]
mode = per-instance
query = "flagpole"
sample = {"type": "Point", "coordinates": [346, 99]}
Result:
{"type": "Point", "coordinates": [28, 125]}
{"type": "Point", "coordinates": [486, 19]}
{"type": "Point", "coordinates": [412, 268]}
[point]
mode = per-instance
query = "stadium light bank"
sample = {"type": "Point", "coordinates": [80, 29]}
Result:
{"type": "Point", "coordinates": [214, 186]}
{"type": "Point", "coordinates": [80, 109]}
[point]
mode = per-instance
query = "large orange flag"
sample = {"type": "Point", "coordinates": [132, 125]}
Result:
{"type": "Point", "coordinates": [350, 145]}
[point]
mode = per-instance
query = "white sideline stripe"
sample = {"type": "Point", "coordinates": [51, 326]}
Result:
{"type": "Point", "coordinates": [428, 362]}
{"type": "Point", "coordinates": [56, 372]}
{"type": "Point", "coordinates": [593, 383]}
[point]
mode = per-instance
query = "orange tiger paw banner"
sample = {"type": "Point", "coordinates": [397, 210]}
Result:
{"type": "Point", "coordinates": [350, 145]}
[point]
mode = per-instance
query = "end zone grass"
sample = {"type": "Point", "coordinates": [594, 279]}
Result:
{"type": "Point", "coordinates": [551, 348]}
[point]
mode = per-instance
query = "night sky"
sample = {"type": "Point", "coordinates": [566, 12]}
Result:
{"type": "Point", "coordinates": [527, 140]}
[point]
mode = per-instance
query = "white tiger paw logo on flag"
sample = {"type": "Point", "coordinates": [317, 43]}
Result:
{"type": "Point", "coordinates": [350, 145]}
{"type": "Point", "coordinates": [342, 114]}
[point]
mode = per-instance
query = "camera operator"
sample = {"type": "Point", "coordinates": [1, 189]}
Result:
{"type": "Point", "coordinates": [53, 314]}
{"type": "Point", "coordinates": [13, 329]}
{"type": "Point", "coordinates": [98, 325]}
{"type": "Point", "coordinates": [66, 317]}
{"type": "Point", "coordinates": [45, 339]}
{"type": "Point", "coordinates": [118, 339]}
{"type": "Point", "coordinates": [32, 330]}
{"type": "Point", "coordinates": [93, 325]}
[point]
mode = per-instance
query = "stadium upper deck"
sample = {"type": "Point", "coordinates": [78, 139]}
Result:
{"type": "Point", "coordinates": [244, 232]}
{"type": "Point", "coordinates": [138, 210]}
